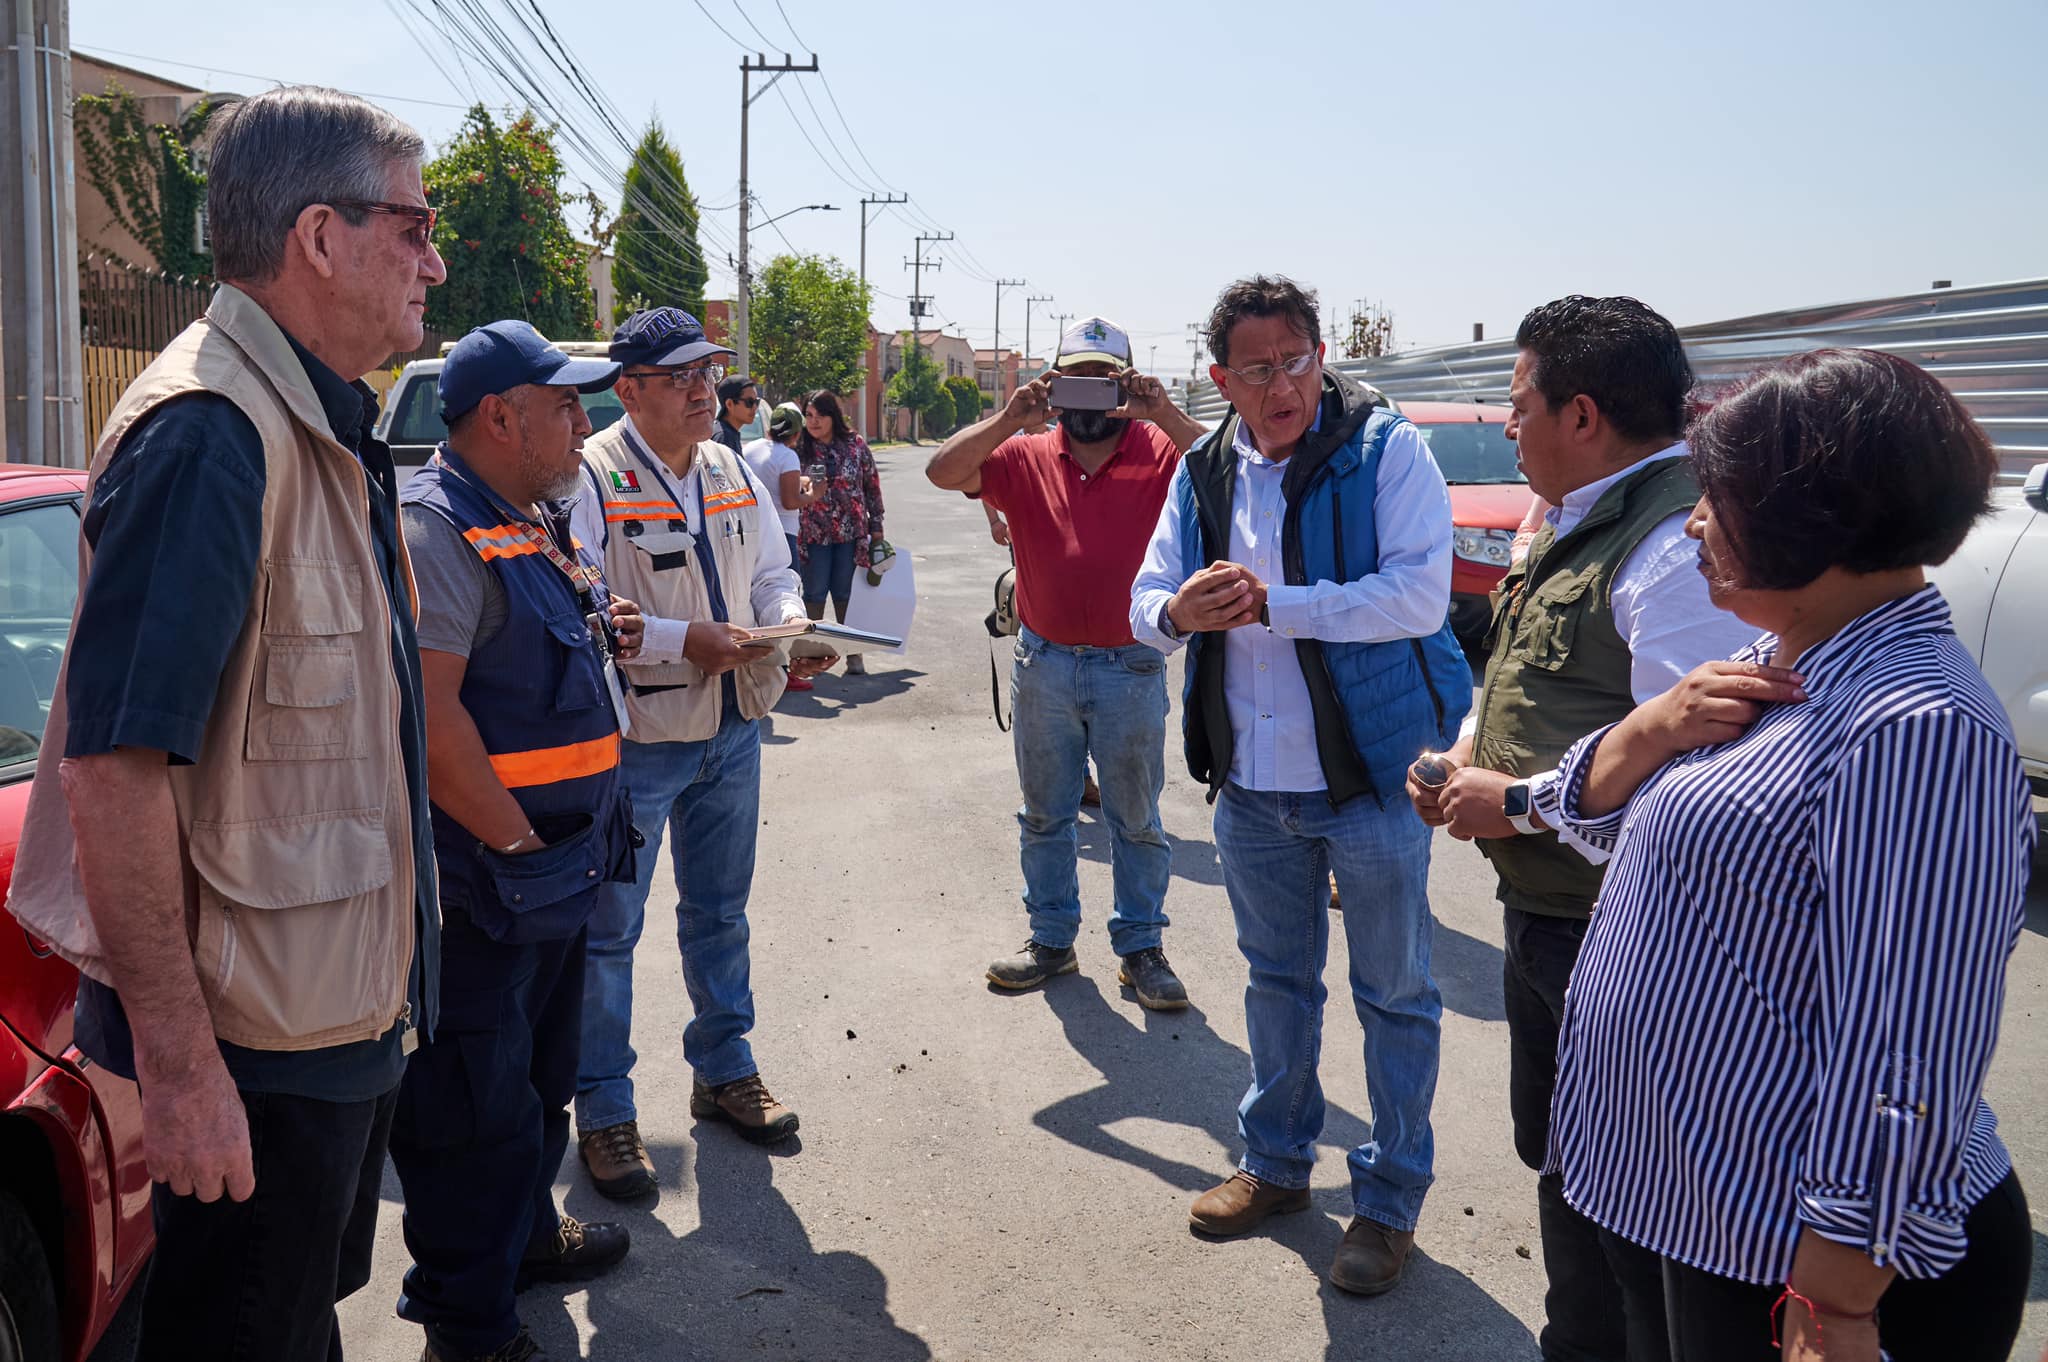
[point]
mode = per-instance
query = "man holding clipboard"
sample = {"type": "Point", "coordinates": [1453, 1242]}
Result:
{"type": "Point", "coordinates": [679, 516]}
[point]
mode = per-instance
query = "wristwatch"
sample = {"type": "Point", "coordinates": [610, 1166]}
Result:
{"type": "Point", "coordinates": [1514, 802]}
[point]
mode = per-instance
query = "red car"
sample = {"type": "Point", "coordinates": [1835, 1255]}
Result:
{"type": "Point", "coordinates": [1489, 497]}
{"type": "Point", "coordinates": [75, 1226]}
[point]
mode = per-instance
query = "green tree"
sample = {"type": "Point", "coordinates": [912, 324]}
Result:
{"type": "Point", "coordinates": [656, 260]}
{"type": "Point", "coordinates": [147, 174]}
{"type": "Point", "coordinates": [509, 251]}
{"type": "Point", "coordinates": [966, 395]}
{"type": "Point", "coordinates": [919, 387]}
{"type": "Point", "coordinates": [809, 327]}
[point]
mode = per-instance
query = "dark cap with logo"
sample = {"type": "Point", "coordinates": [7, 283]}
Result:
{"type": "Point", "coordinates": [663, 336]}
{"type": "Point", "coordinates": [506, 355]}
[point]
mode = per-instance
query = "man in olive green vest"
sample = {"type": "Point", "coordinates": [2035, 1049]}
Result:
{"type": "Point", "coordinates": [1606, 610]}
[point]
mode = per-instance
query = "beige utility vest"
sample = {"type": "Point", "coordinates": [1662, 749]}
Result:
{"type": "Point", "coordinates": [648, 559]}
{"type": "Point", "coordinates": [295, 825]}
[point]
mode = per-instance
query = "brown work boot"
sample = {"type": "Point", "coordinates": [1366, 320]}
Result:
{"type": "Point", "coordinates": [617, 1160]}
{"type": "Point", "coordinates": [1371, 1258]}
{"type": "Point", "coordinates": [743, 1104]}
{"type": "Point", "coordinates": [1242, 1202]}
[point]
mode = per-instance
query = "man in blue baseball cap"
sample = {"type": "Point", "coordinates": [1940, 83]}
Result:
{"type": "Point", "coordinates": [686, 528]}
{"type": "Point", "coordinates": [518, 640]}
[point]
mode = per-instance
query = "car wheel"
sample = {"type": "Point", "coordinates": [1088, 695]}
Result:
{"type": "Point", "coordinates": [29, 1328]}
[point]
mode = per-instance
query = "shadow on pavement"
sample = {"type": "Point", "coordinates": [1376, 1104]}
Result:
{"type": "Point", "coordinates": [745, 1282]}
{"type": "Point", "coordinates": [1467, 972]}
{"type": "Point", "coordinates": [835, 693]}
{"type": "Point", "coordinates": [1194, 1079]}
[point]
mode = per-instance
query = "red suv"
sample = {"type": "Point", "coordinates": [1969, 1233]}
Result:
{"type": "Point", "coordinates": [75, 1225]}
{"type": "Point", "coordinates": [1489, 497]}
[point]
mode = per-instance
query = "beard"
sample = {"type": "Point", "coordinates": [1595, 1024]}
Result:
{"type": "Point", "coordinates": [1092, 427]}
{"type": "Point", "coordinates": [544, 474]}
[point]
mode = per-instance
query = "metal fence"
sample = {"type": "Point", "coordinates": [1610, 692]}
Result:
{"type": "Point", "coordinates": [1989, 344]}
{"type": "Point", "coordinates": [127, 316]}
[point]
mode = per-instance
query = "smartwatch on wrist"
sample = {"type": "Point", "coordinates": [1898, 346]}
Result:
{"type": "Point", "coordinates": [1514, 802]}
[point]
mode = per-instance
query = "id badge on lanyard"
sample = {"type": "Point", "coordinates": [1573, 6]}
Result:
{"type": "Point", "coordinates": [586, 580]}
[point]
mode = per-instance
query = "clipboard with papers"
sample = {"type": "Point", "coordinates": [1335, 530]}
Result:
{"type": "Point", "coordinates": [812, 638]}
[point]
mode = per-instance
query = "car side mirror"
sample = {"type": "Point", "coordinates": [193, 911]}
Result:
{"type": "Point", "coordinates": [2036, 491]}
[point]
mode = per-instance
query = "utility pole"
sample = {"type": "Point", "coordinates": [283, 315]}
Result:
{"type": "Point", "coordinates": [866, 377]}
{"type": "Point", "coordinates": [1059, 322]}
{"type": "Point", "coordinates": [919, 304]}
{"type": "Point", "coordinates": [44, 422]}
{"type": "Point", "coordinates": [748, 67]}
{"type": "Point", "coordinates": [996, 342]}
{"type": "Point", "coordinates": [1194, 352]}
{"type": "Point", "coordinates": [1038, 298]}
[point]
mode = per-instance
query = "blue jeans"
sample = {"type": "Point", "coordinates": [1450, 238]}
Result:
{"type": "Point", "coordinates": [707, 797]}
{"type": "Point", "coordinates": [828, 570]}
{"type": "Point", "coordinates": [1068, 703]}
{"type": "Point", "coordinates": [1277, 852]}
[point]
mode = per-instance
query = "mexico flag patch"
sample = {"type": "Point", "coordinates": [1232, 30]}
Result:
{"type": "Point", "coordinates": [627, 481]}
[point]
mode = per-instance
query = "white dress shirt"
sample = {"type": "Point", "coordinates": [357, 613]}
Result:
{"type": "Point", "coordinates": [1274, 740]}
{"type": "Point", "coordinates": [1662, 610]}
{"type": "Point", "coordinates": [774, 592]}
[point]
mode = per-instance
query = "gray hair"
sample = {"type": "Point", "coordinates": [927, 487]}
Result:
{"type": "Point", "coordinates": [272, 155]}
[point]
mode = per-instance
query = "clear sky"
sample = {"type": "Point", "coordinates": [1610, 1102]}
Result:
{"type": "Point", "coordinates": [1457, 162]}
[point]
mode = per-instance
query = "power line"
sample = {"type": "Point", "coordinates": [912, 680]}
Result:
{"type": "Point", "coordinates": [274, 80]}
{"type": "Point", "coordinates": [751, 24]}
{"type": "Point", "coordinates": [720, 27]}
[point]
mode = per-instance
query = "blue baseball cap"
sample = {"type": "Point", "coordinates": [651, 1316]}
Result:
{"type": "Point", "coordinates": [506, 355]}
{"type": "Point", "coordinates": [663, 336]}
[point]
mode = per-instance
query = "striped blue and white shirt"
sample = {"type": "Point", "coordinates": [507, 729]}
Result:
{"type": "Point", "coordinates": [1789, 996]}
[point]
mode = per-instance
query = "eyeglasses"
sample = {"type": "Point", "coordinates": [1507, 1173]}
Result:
{"type": "Point", "coordinates": [710, 375]}
{"type": "Point", "coordinates": [1259, 375]}
{"type": "Point", "coordinates": [746, 401]}
{"type": "Point", "coordinates": [424, 218]}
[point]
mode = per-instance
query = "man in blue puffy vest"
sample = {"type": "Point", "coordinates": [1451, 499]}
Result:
{"type": "Point", "coordinates": [1304, 555]}
{"type": "Point", "coordinates": [531, 820]}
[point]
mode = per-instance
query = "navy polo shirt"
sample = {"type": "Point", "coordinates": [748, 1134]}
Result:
{"type": "Point", "coordinates": [176, 537]}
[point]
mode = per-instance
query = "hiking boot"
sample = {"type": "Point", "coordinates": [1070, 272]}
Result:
{"type": "Point", "coordinates": [1147, 974]}
{"type": "Point", "coordinates": [1236, 1205]}
{"type": "Point", "coordinates": [1091, 793]}
{"type": "Point", "coordinates": [522, 1348]}
{"type": "Point", "coordinates": [1336, 902]}
{"type": "Point", "coordinates": [1032, 965]}
{"type": "Point", "coordinates": [1371, 1258]}
{"type": "Point", "coordinates": [743, 1104]}
{"type": "Point", "coordinates": [617, 1160]}
{"type": "Point", "coordinates": [799, 683]}
{"type": "Point", "coordinates": [856, 665]}
{"type": "Point", "coordinates": [574, 1253]}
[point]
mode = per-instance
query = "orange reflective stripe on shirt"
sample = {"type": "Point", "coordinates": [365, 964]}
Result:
{"type": "Point", "coordinates": [547, 765]}
{"type": "Point", "coordinates": [642, 510]}
{"type": "Point", "coordinates": [501, 541]}
{"type": "Point", "coordinates": [730, 501]}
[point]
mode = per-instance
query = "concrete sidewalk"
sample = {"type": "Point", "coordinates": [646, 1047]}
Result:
{"type": "Point", "coordinates": [997, 1176]}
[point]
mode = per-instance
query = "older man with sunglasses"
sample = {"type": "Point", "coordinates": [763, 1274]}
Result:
{"type": "Point", "coordinates": [1304, 557]}
{"type": "Point", "coordinates": [682, 519]}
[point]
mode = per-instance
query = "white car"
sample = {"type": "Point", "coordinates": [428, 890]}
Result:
{"type": "Point", "coordinates": [1996, 586]}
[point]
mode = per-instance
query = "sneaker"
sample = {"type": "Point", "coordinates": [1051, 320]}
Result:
{"type": "Point", "coordinates": [1032, 965]}
{"type": "Point", "coordinates": [1241, 1202]}
{"type": "Point", "coordinates": [856, 665]}
{"type": "Point", "coordinates": [1147, 974]}
{"type": "Point", "coordinates": [521, 1349]}
{"type": "Point", "coordinates": [1371, 1258]}
{"type": "Point", "coordinates": [576, 1252]}
{"type": "Point", "coordinates": [746, 1106]}
{"type": "Point", "coordinates": [617, 1160]}
{"type": "Point", "coordinates": [800, 683]}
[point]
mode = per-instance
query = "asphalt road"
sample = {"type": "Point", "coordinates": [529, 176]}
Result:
{"type": "Point", "coordinates": [984, 1175]}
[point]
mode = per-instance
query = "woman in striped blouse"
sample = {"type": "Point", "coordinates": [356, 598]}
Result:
{"type": "Point", "coordinates": [1771, 1069]}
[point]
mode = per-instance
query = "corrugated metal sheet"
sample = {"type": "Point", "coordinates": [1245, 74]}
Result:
{"type": "Point", "coordinates": [1989, 344]}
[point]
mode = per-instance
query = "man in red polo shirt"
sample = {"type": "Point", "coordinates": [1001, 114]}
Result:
{"type": "Point", "coordinates": [1081, 501]}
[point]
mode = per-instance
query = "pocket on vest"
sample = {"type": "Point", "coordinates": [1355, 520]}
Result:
{"type": "Point", "coordinates": [288, 945]}
{"type": "Point", "coordinates": [1543, 634]}
{"type": "Point", "coordinates": [582, 676]}
{"type": "Point", "coordinates": [302, 706]}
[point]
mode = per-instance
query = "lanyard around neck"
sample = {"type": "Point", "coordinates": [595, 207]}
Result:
{"type": "Point", "coordinates": [584, 579]}
{"type": "Point", "coordinates": [659, 470]}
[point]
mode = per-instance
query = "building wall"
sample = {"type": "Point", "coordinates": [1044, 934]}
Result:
{"type": "Point", "coordinates": [162, 101]}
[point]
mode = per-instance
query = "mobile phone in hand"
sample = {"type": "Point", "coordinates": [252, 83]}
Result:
{"type": "Point", "coordinates": [1085, 394]}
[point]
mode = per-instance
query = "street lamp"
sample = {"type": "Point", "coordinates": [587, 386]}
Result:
{"type": "Point", "coordinates": [746, 288]}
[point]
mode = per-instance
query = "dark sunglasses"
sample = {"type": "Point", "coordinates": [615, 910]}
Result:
{"type": "Point", "coordinates": [423, 218]}
{"type": "Point", "coordinates": [746, 401]}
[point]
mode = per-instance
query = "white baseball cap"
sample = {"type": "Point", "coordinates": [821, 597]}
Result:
{"type": "Point", "coordinates": [1093, 340]}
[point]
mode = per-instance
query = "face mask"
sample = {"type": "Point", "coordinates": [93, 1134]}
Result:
{"type": "Point", "coordinates": [1092, 427]}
